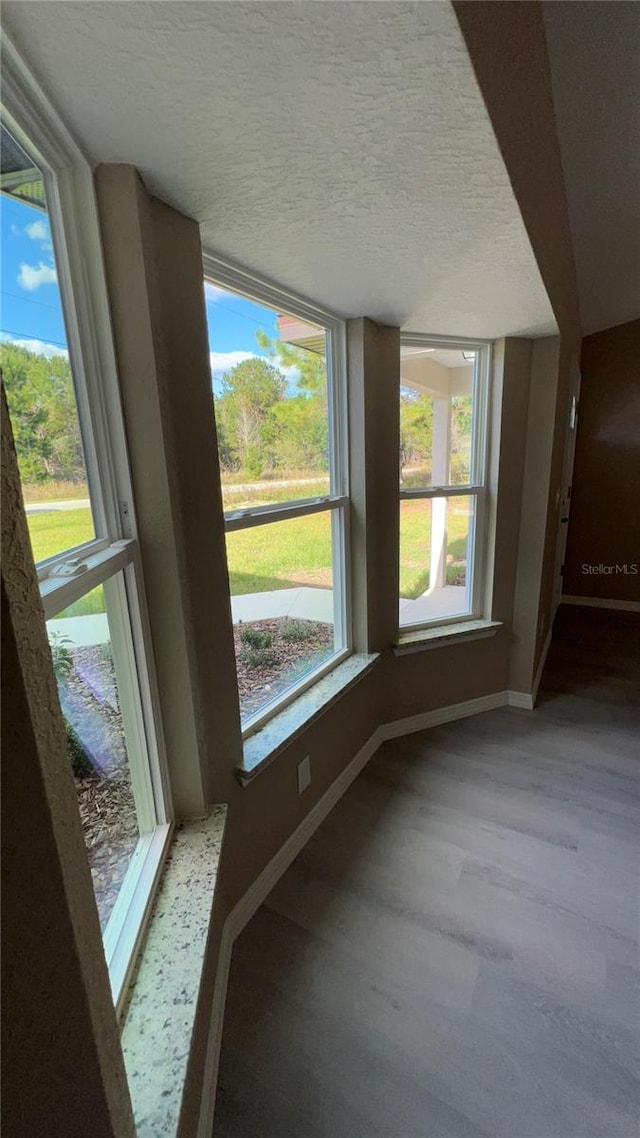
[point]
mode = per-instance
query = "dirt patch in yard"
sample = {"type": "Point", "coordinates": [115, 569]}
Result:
{"type": "Point", "coordinates": [273, 654]}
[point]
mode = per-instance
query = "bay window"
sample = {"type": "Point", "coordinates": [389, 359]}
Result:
{"type": "Point", "coordinates": [58, 372]}
{"type": "Point", "coordinates": [443, 432]}
{"type": "Point", "coordinates": [277, 368]}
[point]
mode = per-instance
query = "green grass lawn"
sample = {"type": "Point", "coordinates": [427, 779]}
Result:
{"type": "Point", "coordinates": [59, 530]}
{"type": "Point", "coordinates": [279, 555]}
{"type": "Point", "coordinates": [415, 540]}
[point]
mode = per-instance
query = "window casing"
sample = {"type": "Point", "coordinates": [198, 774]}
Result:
{"type": "Point", "coordinates": [332, 506]}
{"type": "Point", "coordinates": [99, 578]}
{"type": "Point", "coordinates": [443, 511]}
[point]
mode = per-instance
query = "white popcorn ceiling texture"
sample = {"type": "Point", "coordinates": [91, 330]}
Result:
{"type": "Point", "coordinates": [340, 149]}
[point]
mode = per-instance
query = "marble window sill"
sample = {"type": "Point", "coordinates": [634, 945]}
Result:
{"type": "Point", "coordinates": [261, 749]}
{"type": "Point", "coordinates": [160, 1012]}
{"type": "Point", "coordinates": [448, 634]}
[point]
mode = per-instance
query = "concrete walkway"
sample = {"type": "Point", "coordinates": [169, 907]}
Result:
{"type": "Point", "coordinates": [450, 600]}
{"type": "Point", "coordinates": [303, 603]}
{"type": "Point", "coordinates": [53, 507]}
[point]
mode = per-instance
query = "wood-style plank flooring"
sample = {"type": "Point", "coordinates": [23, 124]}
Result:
{"type": "Point", "coordinates": [455, 952]}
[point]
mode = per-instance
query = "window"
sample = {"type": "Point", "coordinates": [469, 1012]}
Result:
{"type": "Point", "coordinates": [277, 373]}
{"type": "Point", "coordinates": [64, 410]}
{"type": "Point", "coordinates": [443, 417]}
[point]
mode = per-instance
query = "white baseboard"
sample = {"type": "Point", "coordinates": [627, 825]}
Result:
{"type": "Point", "coordinates": [257, 893]}
{"type": "Point", "coordinates": [214, 1041]}
{"type": "Point", "coordinates": [520, 699]}
{"type": "Point", "coordinates": [399, 727]}
{"type": "Point", "coordinates": [601, 603]}
{"type": "Point", "coordinates": [541, 663]}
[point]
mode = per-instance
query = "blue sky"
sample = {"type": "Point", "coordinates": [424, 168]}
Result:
{"type": "Point", "coordinates": [31, 311]}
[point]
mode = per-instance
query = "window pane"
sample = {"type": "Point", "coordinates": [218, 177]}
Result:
{"type": "Point", "coordinates": [270, 394]}
{"type": "Point", "coordinates": [434, 551]}
{"type": "Point", "coordinates": [436, 407]}
{"type": "Point", "coordinates": [35, 365]}
{"type": "Point", "coordinates": [83, 646]}
{"type": "Point", "coordinates": [281, 582]}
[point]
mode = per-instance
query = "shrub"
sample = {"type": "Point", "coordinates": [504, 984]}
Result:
{"type": "Point", "coordinates": [296, 630]}
{"type": "Point", "coordinates": [61, 655]}
{"type": "Point", "coordinates": [258, 657]}
{"type": "Point", "coordinates": [256, 638]}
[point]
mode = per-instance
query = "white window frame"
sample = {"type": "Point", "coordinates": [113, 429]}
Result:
{"type": "Point", "coordinates": [220, 272]}
{"type": "Point", "coordinates": [112, 558]}
{"type": "Point", "coordinates": [477, 487]}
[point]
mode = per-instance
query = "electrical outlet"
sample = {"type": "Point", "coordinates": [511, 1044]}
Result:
{"type": "Point", "coordinates": [304, 774]}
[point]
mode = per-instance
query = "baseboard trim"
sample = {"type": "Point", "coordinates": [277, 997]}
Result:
{"type": "Point", "coordinates": [399, 727]}
{"type": "Point", "coordinates": [541, 663]}
{"type": "Point", "coordinates": [520, 699]}
{"type": "Point", "coordinates": [214, 1041]}
{"type": "Point", "coordinates": [256, 894]}
{"type": "Point", "coordinates": [601, 603]}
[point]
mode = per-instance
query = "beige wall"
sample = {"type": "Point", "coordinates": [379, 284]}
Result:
{"type": "Point", "coordinates": [507, 45]}
{"type": "Point", "coordinates": [604, 525]}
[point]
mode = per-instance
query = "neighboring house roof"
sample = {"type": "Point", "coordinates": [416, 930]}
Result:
{"type": "Point", "coordinates": [19, 178]}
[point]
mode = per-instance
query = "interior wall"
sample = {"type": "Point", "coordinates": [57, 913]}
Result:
{"type": "Point", "coordinates": [534, 508]}
{"type": "Point", "coordinates": [604, 522]}
{"type": "Point", "coordinates": [153, 262]}
{"type": "Point", "coordinates": [508, 49]}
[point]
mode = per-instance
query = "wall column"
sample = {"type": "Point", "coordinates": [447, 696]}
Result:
{"type": "Point", "coordinates": [373, 354]}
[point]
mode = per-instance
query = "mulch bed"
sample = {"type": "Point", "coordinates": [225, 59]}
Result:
{"type": "Point", "coordinates": [105, 798]}
{"type": "Point", "coordinates": [106, 802]}
{"type": "Point", "coordinates": [110, 828]}
{"type": "Point", "coordinates": [258, 684]}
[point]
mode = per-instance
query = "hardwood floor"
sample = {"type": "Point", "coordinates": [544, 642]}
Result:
{"type": "Point", "coordinates": [455, 952]}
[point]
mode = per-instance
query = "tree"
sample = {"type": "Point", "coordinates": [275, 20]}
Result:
{"type": "Point", "coordinates": [249, 392]}
{"type": "Point", "coordinates": [416, 429]}
{"type": "Point", "coordinates": [301, 439]}
{"type": "Point", "coordinates": [43, 413]}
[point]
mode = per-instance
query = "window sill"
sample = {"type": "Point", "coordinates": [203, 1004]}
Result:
{"type": "Point", "coordinates": [448, 634]}
{"type": "Point", "coordinates": [160, 1014]}
{"type": "Point", "coordinates": [261, 749]}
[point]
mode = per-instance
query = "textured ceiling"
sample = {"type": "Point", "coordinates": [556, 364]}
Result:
{"type": "Point", "coordinates": [594, 52]}
{"type": "Point", "coordinates": [341, 149]}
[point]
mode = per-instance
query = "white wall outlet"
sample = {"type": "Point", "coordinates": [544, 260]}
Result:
{"type": "Point", "coordinates": [304, 774]}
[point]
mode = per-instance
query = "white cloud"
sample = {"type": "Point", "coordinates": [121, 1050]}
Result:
{"type": "Point", "coordinates": [40, 347]}
{"type": "Point", "coordinates": [38, 231]}
{"type": "Point", "coordinates": [224, 361]}
{"type": "Point", "coordinates": [213, 292]}
{"type": "Point", "coordinates": [31, 277]}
